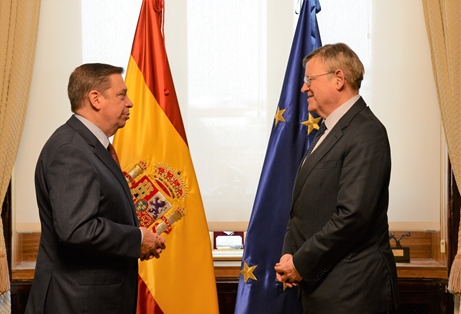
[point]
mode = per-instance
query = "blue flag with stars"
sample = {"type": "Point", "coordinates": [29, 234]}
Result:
{"type": "Point", "coordinates": [258, 290]}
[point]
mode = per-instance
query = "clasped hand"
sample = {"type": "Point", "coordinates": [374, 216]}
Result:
{"type": "Point", "coordinates": [152, 244]}
{"type": "Point", "coordinates": [286, 271]}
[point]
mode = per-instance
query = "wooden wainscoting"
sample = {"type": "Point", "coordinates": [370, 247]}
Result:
{"type": "Point", "coordinates": [426, 259]}
{"type": "Point", "coordinates": [422, 282]}
{"type": "Point", "coordinates": [25, 256]}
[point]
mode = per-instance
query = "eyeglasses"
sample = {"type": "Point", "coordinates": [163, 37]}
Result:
{"type": "Point", "coordinates": [307, 79]}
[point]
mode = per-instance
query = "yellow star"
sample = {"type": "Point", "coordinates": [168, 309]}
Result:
{"type": "Point", "coordinates": [311, 123]}
{"type": "Point", "coordinates": [247, 272]}
{"type": "Point", "coordinates": [279, 116]}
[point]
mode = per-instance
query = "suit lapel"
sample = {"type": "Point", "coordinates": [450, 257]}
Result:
{"type": "Point", "coordinates": [327, 144]}
{"type": "Point", "coordinates": [104, 156]}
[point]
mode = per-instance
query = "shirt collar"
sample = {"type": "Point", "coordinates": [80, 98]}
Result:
{"type": "Point", "coordinates": [94, 129]}
{"type": "Point", "coordinates": [336, 115]}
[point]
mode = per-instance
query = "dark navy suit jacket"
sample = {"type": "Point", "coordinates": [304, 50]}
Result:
{"type": "Point", "coordinates": [90, 241]}
{"type": "Point", "coordinates": [338, 228]}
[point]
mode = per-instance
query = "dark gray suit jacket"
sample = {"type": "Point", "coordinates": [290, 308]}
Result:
{"type": "Point", "coordinates": [338, 228]}
{"type": "Point", "coordinates": [90, 241]}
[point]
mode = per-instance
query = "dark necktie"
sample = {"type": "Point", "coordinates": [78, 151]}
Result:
{"type": "Point", "coordinates": [113, 153]}
{"type": "Point", "coordinates": [317, 136]}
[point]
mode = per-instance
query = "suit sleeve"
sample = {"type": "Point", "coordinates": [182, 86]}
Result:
{"type": "Point", "coordinates": [287, 242]}
{"type": "Point", "coordinates": [361, 200]}
{"type": "Point", "coordinates": [89, 208]}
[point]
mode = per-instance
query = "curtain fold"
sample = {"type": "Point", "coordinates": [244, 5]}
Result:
{"type": "Point", "coordinates": [18, 38]}
{"type": "Point", "coordinates": [443, 27]}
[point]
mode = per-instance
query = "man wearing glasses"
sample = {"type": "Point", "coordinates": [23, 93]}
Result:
{"type": "Point", "coordinates": [336, 246]}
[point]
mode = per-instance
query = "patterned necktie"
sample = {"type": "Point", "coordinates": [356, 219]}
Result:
{"type": "Point", "coordinates": [317, 136]}
{"type": "Point", "coordinates": [113, 153]}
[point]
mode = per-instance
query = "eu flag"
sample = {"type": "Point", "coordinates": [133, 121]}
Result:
{"type": "Point", "coordinates": [258, 291]}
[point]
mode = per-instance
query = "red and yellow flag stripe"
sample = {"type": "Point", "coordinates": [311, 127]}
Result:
{"type": "Point", "coordinates": [182, 280]}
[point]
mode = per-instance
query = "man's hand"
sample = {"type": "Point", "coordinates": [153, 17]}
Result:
{"type": "Point", "coordinates": [152, 244]}
{"type": "Point", "coordinates": [286, 271]}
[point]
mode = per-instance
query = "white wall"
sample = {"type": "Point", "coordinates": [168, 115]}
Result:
{"type": "Point", "coordinates": [58, 54]}
{"type": "Point", "coordinates": [413, 121]}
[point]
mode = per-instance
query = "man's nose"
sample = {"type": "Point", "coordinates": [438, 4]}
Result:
{"type": "Point", "coordinates": [129, 103]}
{"type": "Point", "coordinates": [304, 88]}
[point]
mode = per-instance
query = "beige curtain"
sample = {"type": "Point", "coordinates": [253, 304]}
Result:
{"type": "Point", "coordinates": [18, 38]}
{"type": "Point", "coordinates": [443, 26]}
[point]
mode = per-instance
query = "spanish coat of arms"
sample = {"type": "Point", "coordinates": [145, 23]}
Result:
{"type": "Point", "coordinates": [157, 196]}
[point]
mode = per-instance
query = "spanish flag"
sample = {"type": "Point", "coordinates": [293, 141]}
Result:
{"type": "Point", "coordinates": [155, 158]}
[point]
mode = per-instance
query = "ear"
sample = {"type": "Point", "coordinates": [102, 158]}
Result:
{"type": "Point", "coordinates": [340, 79]}
{"type": "Point", "coordinates": [94, 96]}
